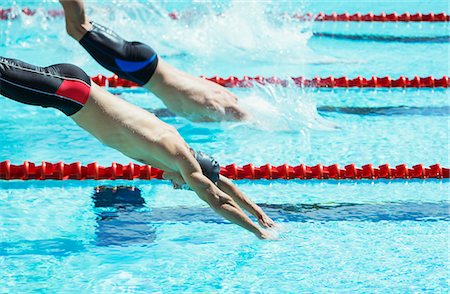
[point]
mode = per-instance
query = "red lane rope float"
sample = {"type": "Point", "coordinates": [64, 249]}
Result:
{"type": "Point", "coordinates": [370, 17]}
{"type": "Point", "coordinates": [92, 171]}
{"type": "Point", "coordinates": [357, 17]}
{"type": "Point", "coordinates": [317, 82]}
{"type": "Point", "coordinates": [9, 13]}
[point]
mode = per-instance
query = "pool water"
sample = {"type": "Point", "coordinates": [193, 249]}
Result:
{"type": "Point", "coordinates": [141, 236]}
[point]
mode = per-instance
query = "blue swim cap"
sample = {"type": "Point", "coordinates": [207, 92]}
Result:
{"type": "Point", "coordinates": [210, 167]}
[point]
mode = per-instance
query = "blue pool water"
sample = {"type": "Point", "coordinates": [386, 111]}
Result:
{"type": "Point", "coordinates": [347, 236]}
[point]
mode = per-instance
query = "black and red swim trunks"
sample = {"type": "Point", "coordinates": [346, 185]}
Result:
{"type": "Point", "coordinates": [62, 86]}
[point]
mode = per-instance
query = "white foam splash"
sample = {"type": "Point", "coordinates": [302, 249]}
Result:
{"type": "Point", "coordinates": [288, 108]}
{"type": "Point", "coordinates": [239, 33]}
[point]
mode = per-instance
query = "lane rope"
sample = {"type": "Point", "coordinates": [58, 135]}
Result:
{"type": "Point", "coordinates": [382, 17]}
{"type": "Point", "coordinates": [317, 82]}
{"type": "Point", "coordinates": [356, 17]}
{"type": "Point", "coordinates": [10, 14]}
{"type": "Point", "coordinates": [93, 171]}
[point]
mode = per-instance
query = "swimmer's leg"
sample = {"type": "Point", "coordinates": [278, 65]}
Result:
{"type": "Point", "coordinates": [65, 87]}
{"type": "Point", "coordinates": [133, 61]}
{"type": "Point", "coordinates": [77, 22]}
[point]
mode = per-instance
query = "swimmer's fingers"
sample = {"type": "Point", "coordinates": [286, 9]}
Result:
{"type": "Point", "coordinates": [269, 235]}
{"type": "Point", "coordinates": [266, 221]}
{"type": "Point", "coordinates": [234, 97]}
{"type": "Point", "coordinates": [236, 113]}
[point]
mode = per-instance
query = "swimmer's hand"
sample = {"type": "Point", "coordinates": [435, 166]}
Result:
{"type": "Point", "coordinates": [265, 221]}
{"type": "Point", "coordinates": [268, 235]}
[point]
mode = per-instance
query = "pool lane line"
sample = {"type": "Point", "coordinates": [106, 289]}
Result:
{"type": "Point", "coordinates": [401, 110]}
{"type": "Point", "coordinates": [316, 82]}
{"type": "Point", "coordinates": [10, 14]}
{"type": "Point", "coordinates": [345, 17]}
{"type": "Point", "coordinates": [93, 171]}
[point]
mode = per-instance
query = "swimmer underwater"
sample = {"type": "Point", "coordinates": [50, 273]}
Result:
{"type": "Point", "coordinates": [131, 130]}
{"type": "Point", "coordinates": [185, 95]}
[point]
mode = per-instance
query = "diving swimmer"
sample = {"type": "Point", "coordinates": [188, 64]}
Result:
{"type": "Point", "coordinates": [131, 130]}
{"type": "Point", "coordinates": [185, 95]}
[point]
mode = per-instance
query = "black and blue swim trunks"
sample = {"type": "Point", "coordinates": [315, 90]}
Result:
{"type": "Point", "coordinates": [133, 61]}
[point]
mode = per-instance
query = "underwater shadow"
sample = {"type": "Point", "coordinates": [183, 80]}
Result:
{"type": "Point", "coordinates": [370, 212]}
{"type": "Point", "coordinates": [384, 38]}
{"type": "Point", "coordinates": [122, 218]}
{"type": "Point", "coordinates": [389, 110]}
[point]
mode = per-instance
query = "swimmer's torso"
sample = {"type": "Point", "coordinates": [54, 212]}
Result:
{"type": "Point", "coordinates": [115, 122]}
{"type": "Point", "coordinates": [126, 127]}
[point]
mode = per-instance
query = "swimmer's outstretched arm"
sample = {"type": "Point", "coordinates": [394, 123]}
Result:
{"type": "Point", "coordinates": [243, 201]}
{"type": "Point", "coordinates": [218, 200]}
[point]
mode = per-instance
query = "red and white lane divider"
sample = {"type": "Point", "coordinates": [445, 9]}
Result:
{"type": "Point", "coordinates": [370, 17]}
{"type": "Point", "coordinates": [357, 17]}
{"type": "Point", "coordinates": [9, 14]}
{"type": "Point", "coordinates": [92, 171]}
{"type": "Point", "coordinates": [317, 82]}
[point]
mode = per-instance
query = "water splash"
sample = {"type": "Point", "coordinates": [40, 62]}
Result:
{"type": "Point", "coordinates": [236, 34]}
{"type": "Point", "coordinates": [235, 37]}
{"type": "Point", "coordinates": [281, 108]}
